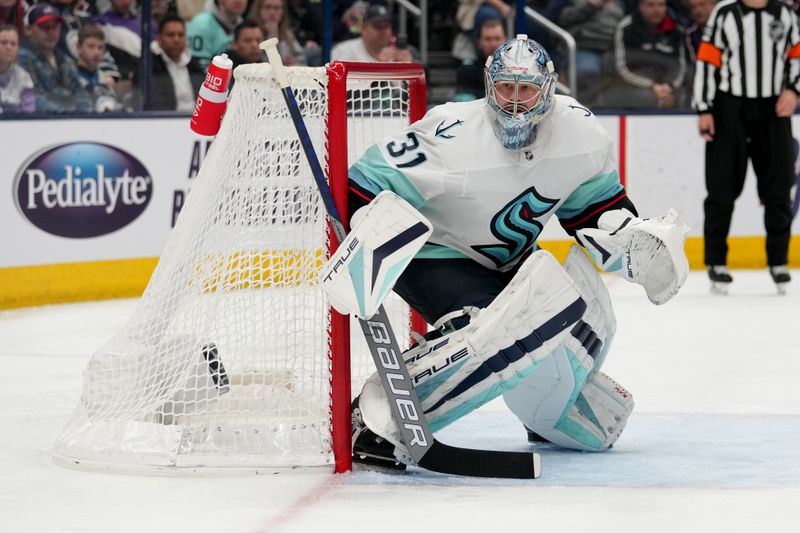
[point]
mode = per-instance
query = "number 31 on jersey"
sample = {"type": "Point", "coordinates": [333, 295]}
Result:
{"type": "Point", "coordinates": [408, 152]}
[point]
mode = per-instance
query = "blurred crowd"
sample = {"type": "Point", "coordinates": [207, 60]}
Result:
{"type": "Point", "coordinates": [629, 53]}
{"type": "Point", "coordinates": [85, 55]}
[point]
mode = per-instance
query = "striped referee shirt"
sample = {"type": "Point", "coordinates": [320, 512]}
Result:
{"type": "Point", "coordinates": [747, 52]}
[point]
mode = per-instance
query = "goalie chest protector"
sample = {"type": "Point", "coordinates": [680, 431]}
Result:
{"type": "Point", "coordinates": [485, 201]}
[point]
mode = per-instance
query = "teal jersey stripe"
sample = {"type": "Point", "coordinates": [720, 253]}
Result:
{"type": "Point", "coordinates": [362, 181]}
{"type": "Point", "coordinates": [431, 251]}
{"type": "Point", "coordinates": [597, 189]}
{"type": "Point", "coordinates": [374, 174]}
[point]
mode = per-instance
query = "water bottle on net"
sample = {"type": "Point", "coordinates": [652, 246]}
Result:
{"type": "Point", "coordinates": [213, 97]}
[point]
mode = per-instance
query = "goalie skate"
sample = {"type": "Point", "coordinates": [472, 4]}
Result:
{"type": "Point", "coordinates": [370, 449]}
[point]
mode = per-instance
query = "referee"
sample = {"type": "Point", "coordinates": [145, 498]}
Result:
{"type": "Point", "coordinates": [746, 84]}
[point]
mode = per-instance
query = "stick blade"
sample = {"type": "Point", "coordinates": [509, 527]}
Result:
{"type": "Point", "coordinates": [481, 463]}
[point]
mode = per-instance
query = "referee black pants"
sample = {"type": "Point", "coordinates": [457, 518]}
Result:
{"type": "Point", "coordinates": [748, 128]}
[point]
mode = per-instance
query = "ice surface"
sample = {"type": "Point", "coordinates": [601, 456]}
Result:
{"type": "Point", "coordinates": [712, 445]}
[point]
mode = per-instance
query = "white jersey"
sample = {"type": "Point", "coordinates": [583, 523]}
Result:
{"type": "Point", "coordinates": [487, 202]}
{"type": "Point", "coordinates": [352, 50]}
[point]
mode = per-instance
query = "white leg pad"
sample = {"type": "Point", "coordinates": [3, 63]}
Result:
{"type": "Point", "coordinates": [541, 399]}
{"type": "Point", "coordinates": [596, 419]}
{"type": "Point", "coordinates": [462, 371]}
{"type": "Point", "coordinates": [545, 401]}
{"type": "Point", "coordinates": [599, 313]}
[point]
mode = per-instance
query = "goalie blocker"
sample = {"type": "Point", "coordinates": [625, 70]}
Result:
{"type": "Point", "coordinates": [385, 235]}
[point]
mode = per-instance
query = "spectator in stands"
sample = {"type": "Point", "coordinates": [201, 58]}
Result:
{"type": "Point", "coordinates": [177, 75]}
{"type": "Point", "coordinates": [13, 12]}
{"type": "Point", "coordinates": [680, 12]}
{"type": "Point", "coordinates": [470, 16]}
{"type": "Point", "coordinates": [211, 32]}
{"type": "Point", "coordinates": [650, 59]}
{"type": "Point", "coordinates": [160, 8]}
{"type": "Point", "coordinates": [188, 9]}
{"type": "Point", "coordinates": [348, 19]}
{"type": "Point", "coordinates": [470, 82]}
{"type": "Point", "coordinates": [305, 21]}
{"type": "Point", "coordinates": [56, 81]}
{"type": "Point", "coordinates": [472, 13]}
{"type": "Point", "coordinates": [273, 17]}
{"type": "Point", "coordinates": [794, 5]}
{"type": "Point", "coordinates": [123, 13]}
{"type": "Point", "coordinates": [16, 86]}
{"type": "Point", "coordinates": [700, 10]}
{"type": "Point", "coordinates": [100, 86]}
{"type": "Point", "coordinates": [74, 14]}
{"type": "Point", "coordinates": [592, 23]}
{"type": "Point", "coordinates": [375, 42]}
{"type": "Point", "coordinates": [245, 48]}
{"type": "Point", "coordinates": [123, 28]}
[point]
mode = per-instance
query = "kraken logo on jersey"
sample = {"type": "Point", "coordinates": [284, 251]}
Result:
{"type": "Point", "coordinates": [516, 226]}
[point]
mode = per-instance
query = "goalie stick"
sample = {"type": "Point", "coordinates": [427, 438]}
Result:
{"type": "Point", "coordinates": [426, 451]}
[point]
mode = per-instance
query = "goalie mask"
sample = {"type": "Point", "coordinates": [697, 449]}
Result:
{"type": "Point", "coordinates": [520, 82]}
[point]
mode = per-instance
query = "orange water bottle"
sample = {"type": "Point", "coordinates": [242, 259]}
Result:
{"type": "Point", "coordinates": [213, 97]}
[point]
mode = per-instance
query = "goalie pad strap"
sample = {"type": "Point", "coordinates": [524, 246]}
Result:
{"type": "Point", "coordinates": [507, 356]}
{"type": "Point", "coordinates": [584, 334]}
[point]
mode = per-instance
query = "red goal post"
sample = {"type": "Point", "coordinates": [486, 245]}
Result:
{"type": "Point", "coordinates": [340, 73]}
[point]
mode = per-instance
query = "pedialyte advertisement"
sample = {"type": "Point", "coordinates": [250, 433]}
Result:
{"type": "Point", "coordinates": [94, 190]}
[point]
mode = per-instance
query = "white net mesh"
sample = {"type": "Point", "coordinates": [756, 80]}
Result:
{"type": "Point", "coordinates": [376, 108]}
{"type": "Point", "coordinates": [226, 360]}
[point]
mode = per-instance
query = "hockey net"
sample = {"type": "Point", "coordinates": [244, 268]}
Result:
{"type": "Point", "coordinates": [233, 358]}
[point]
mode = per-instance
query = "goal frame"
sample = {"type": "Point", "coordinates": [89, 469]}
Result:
{"type": "Point", "coordinates": [201, 380]}
{"type": "Point", "coordinates": [339, 72]}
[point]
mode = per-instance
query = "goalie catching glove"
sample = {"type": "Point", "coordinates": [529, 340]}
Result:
{"type": "Point", "coordinates": [645, 251]}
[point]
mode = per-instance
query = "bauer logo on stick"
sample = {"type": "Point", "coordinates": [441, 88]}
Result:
{"type": "Point", "coordinates": [213, 97]}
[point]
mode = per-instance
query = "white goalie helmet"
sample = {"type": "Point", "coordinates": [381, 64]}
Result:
{"type": "Point", "coordinates": [520, 83]}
